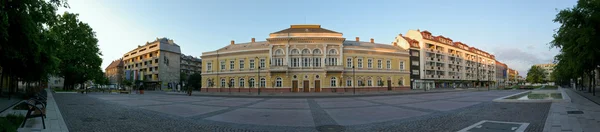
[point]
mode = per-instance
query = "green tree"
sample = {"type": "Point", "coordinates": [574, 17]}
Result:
{"type": "Point", "coordinates": [535, 75]}
{"type": "Point", "coordinates": [193, 82]}
{"type": "Point", "coordinates": [578, 39]}
{"type": "Point", "coordinates": [78, 50]}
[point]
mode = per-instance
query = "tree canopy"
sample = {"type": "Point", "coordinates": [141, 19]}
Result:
{"type": "Point", "coordinates": [535, 75]}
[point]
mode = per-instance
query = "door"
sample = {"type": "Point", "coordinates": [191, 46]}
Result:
{"type": "Point", "coordinates": [306, 88]}
{"type": "Point", "coordinates": [295, 86]}
{"type": "Point", "coordinates": [317, 85]}
{"type": "Point", "coordinates": [389, 84]}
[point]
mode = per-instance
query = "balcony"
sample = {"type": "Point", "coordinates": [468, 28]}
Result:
{"type": "Point", "coordinates": [281, 68]}
{"type": "Point", "coordinates": [334, 68]}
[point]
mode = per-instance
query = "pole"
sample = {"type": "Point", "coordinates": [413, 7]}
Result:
{"type": "Point", "coordinates": [353, 80]}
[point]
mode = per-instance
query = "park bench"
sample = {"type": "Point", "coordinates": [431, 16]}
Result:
{"type": "Point", "coordinates": [34, 110]}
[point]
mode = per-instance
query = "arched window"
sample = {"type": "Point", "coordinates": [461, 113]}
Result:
{"type": "Point", "coordinates": [279, 52]}
{"type": "Point", "coordinates": [242, 82]}
{"type": "Point", "coordinates": [209, 83]}
{"type": "Point", "coordinates": [401, 81]}
{"type": "Point", "coordinates": [251, 82]}
{"type": "Point", "coordinates": [222, 82]}
{"type": "Point", "coordinates": [369, 82]}
{"type": "Point", "coordinates": [333, 82]}
{"type": "Point", "coordinates": [231, 83]}
{"type": "Point", "coordinates": [305, 51]}
{"type": "Point", "coordinates": [332, 52]}
{"type": "Point", "coordinates": [316, 51]}
{"type": "Point", "coordinates": [278, 82]}
{"type": "Point", "coordinates": [349, 82]}
{"type": "Point", "coordinates": [263, 82]}
{"type": "Point", "coordinates": [295, 52]}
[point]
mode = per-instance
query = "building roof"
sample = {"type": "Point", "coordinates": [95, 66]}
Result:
{"type": "Point", "coordinates": [413, 43]}
{"type": "Point", "coordinates": [115, 63]}
{"type": "Point", "coordinates": [305, 29]}
{"type": "Point", "coordinates": [244, 46]}
{"type": "Point", "coordinates": [372, 46]}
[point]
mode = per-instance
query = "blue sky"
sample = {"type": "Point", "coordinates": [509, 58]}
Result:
{"type": "Point", "coordinates": [516, 31]}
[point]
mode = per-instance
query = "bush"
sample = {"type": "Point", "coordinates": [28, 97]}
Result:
{"type": "Point", "coordinates": [11, 122]}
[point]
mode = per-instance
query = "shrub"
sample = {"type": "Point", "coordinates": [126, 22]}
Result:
{"type": "Point", "coordinates": [11, 122]}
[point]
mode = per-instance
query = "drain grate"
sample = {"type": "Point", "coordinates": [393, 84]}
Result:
{"type": "Point", "coordinates": [496, 126]}
{"type": "Point", "coordinates": [575, 112]}
{"type": "Point", "coordinates": [330, 128]}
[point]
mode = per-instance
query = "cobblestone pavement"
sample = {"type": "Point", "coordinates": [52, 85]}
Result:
{"type": "Point", "coordinates": [449, 111]}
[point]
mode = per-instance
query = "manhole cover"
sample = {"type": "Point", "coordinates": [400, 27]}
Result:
{"type": "Point", "coordinates": [574, 112]}
{"type": "Point", "coordinates": [330, 128]}
{"type": "Point", "coordinates": [496, 126]}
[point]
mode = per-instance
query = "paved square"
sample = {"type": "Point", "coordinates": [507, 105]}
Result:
{"type": "Point", "coordinates": [266, 117]}
{"type": "Point", "coordinates": [345, 104]}
{"type": "Point", "coordinates": [140, 102]}
{"type": "Point", "coordinates": [183, 110]}
{"type": "Point", "coordinates": [364, 115]}
{"type": "Point", "coordinates": [280, 105]}
{"type": "Point", "coordinates": [334, 99]}
{"type": "Point", "coordinates": [474, 98]}
{"type": "Point", "coordinates": [222, 103]}
{"type": "Point", "coordinates": [441, 105]}
{"type": "Point", "coordinates": [242, 99]}
{"type": "Point", "coordinates": [286, 101]}
{"type": "Point", "coordinates": [189, 99]}
{"type": "Point", "coordinates": [114, 98]}
{"type": "Point", "coordinates": [398, 101]}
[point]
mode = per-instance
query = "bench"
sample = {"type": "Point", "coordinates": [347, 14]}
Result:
{"type": "Point", "coordinates": [35, 111]}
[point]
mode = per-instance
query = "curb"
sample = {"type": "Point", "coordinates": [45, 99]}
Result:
{"type": "Point", "coordinates": [584, 96]}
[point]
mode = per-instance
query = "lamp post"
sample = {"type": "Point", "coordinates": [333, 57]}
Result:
{"type": "Point", "coordinates": [353, 80]}
{"type": "Point", "coordinates": [425, 88]}
{"type": "Point", "coordinates": [259, 80]}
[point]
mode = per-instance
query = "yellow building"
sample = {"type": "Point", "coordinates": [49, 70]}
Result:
{"type": "Point", "coordinates": [305, 58]}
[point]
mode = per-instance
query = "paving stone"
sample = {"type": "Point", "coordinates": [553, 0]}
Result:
{"type": "Point", "coordinates": [335, 99]}
{"type": "Point", "coordinates": [280, 105]}
{"type": "Point", "coordinates": [441, 105]}
{"type": "Point", "coordinates": [345, 104]}
{"type": "Point", "coordinates": [266, 117]}
{"type": "Point", "coordinates": [183, 110]}
{"type": "Point", "coordinates": [222, 103]}
{"type": "Point", "coordinates": [399, 101]}
{"type": "Point", "coordinates": [353, 116]}
{"type": "Point", "coordinates": [140, 102]}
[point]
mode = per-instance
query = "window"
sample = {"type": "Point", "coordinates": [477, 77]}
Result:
{"type": "Point", "coordinates": [316, 51]}
{"type": "Point", "coordinates": [369, 82]}
{"type": "Point", "coordinates": [209, 66]}
{"type": "Point", "coordinates": [155, 60]}
{"type": "Point", "coordinates": [231, 65]}
{"type": "Point", "coordinates": [262, 63]}
{"type": "Point", "coordinates": [242, 82]}
{"type": "Point", "coordinates": [278, 82]}
{"type": "Point", "coordinates": [415, 63]}
{"type": "Point", "coordinates": [231, 83]}
{"type": "Point", "coordinates": [359, 63]}
{"type": "Point", "coordinates": [333, 82]}
{"type": "Point", "coordinates": [415, 72]}
{"type": "Point", "coordinates": [401, 82]}
{"type": "Point", "coordinates": [295, 52]}
{"type": "Point", "coordinates": [360, 83]}
{"type": "Point", "coordinates": [222, 82]}
{"type": "Point", "coordinates": [414, 53]}
{"type": "Point", "coordinates": [306, 51]}
{"type": "Point", "coordinates": [379, 64]}
{"type": "Point", "coordinates": [263, 82]}
{"type": "Point", "coordinates": [331, 61]}
{"type": "Point", "coordinates": [370, 63]}
{"type": "Point", "coordinates": [241, 64]}
{"type": "Point", "coordinates": [349, 82]}
{"type": "Point", "coordinates": [317, 62]}
{"type": "Point", "coordinates": [401, 65]}
{"type": "Point", "coordinates": [305, 62]}
{"type": "Point", "coordinates": [388, 64]}
{"type": "Point", "coordinates": [251, 82]}
{"type": "Point", "coordinates": [295, 62]}
{"type": "Point", "coordinates": [222, 65]}
{"type": "Point", "coordinates": [251, 64]}
{"type": "Point", "coordinates": [332, 52]}
{"type": "Point", "coordinates": [349, 62]}
{"type": "Point", "coordinates": [279, 52]}
{"type": "Point", "coordinates": [278, 61]}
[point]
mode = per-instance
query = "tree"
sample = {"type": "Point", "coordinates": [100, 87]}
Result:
{"type": "Point", "coordinates": [78, 50]}
{"type": "Point", "coordinates": [578, 38]}
{"type": "Point", "coordinates": [193, 82]}
{"type": "Point", "coordinates": [535, 74]}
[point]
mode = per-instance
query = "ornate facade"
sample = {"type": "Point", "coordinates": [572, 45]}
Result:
{"type": "Point", "coordinates": [305, 58]}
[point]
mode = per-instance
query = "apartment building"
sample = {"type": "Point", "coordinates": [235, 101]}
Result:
{"type": "Point", "coordinates": [501, 74]}
{"type": "Point", "coordinates": [156, 63]}
{"type": "Point", "coordinates": [512, 76]}
{"type": "Point", "coordinates": [306, 58]}
{"type": "Point", "coordinates": [115, 71]}
{"type": "Point", "coordinates": [190, 64]}
{"type": "Point", "coordinates": [444, 63]}
{"type": "Point", "coordinates": [549, 68]}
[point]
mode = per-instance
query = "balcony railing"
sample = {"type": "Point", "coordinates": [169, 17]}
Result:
{"type": "Point", "coordinates": [278, 68]}
{"type": "Point", "coordinates": [334, 68]}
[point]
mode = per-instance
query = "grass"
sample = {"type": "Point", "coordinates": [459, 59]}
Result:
{"type": "Point", "coordinates": [518, 96]}
{"type": "Point", "coordinates": [556, 95]}
{"type": "Point", "coordinates": [11, 122]}
{"type": "Point", "coordinates": [537, 96]}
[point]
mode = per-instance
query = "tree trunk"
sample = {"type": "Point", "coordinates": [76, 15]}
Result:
{"type": "Point", "coordinates": [2, 81]}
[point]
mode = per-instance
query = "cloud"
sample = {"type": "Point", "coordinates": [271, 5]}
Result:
{"type": "Point", "coordinates": [521, 60]}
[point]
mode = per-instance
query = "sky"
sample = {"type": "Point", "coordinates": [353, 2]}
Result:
{"type": "Point", "coordinates": [517, 32]}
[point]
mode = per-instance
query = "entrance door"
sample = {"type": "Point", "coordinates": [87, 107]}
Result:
{"type": "Point", "coordinates": [306, 88]}
{"type": "Point", "coordinates": [295, 86]}
{"type": "Point", "coordinates": [389, 84]}
{"type": "Point", "coordinates": [317, 85]}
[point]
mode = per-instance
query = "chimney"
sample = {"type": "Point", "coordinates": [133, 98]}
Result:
{"type": "Point", "coordinates": [253, 40]}
{"type": "Point", "coordinates": [399, 34]}
{"type": "Point", "coordinates": [372, 40]}
{"type": "Point", "coordinates": [232, 42]}
{"type": "Point", "coordinates": [357, 39]}
{"type": "Point", "coordinates": [395, 43]}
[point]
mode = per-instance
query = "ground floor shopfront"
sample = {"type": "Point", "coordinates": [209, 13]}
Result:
{"type": "Point", "coordinates": [316, 81]}
{"type": "Point", "coordinates": [431, 84]}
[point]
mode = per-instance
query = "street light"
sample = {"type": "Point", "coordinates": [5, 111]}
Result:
{"type": "Point", "coordinates": [258, 75]}
{"type": "Point", "coordinates": [353, 77]}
